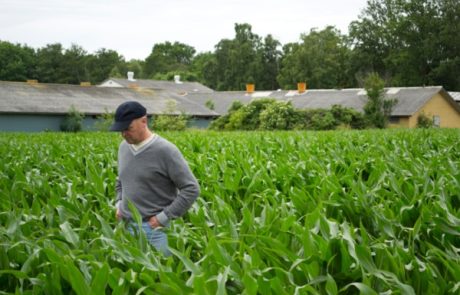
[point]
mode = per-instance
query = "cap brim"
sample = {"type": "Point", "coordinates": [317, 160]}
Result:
{"type": "Point", "coordinates": [120, 126]}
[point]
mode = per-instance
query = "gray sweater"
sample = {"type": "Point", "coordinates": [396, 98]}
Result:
{"type": "Point", "coordinates": [156, 179]}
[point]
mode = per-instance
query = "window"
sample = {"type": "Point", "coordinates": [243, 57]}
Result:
{"type": "Point", "coordinates": [436, 121]}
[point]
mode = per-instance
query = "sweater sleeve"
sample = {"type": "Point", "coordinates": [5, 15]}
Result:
{"type": "Point", "coordinates": [186, 183]}
{"type": "Point", "coordinates": [118, 192]}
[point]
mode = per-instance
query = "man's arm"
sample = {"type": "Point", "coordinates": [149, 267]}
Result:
{"type": "Point", "coordinates": [186, 183]}
{"type": "Point", "coordinates": [118, 199]}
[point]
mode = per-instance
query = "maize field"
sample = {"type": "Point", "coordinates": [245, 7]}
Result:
{"type": "Point", "coordinates": [340, 212]}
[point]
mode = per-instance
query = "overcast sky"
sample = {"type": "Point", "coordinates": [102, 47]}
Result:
{"type": "Point", "coordinates": [132, 27]}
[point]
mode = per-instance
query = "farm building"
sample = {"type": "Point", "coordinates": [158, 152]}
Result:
{"type": "Point", "coordinates": [433, 102]}
{"type": "Point", "coordinates": [36, 106]}
{"type": "Point", "coordinates": [39, 107]}
{"type": "Point", "coordinates": [455, 96]}
{"type": "Point", "coordinates": [177, 86]}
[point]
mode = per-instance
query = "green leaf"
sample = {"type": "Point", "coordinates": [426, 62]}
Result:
{"type": "Point", "coordinates": [69, 234]}
{"type": "Point", "coordinates": [100, 280]}
{"type": "Point", "coordinates": [363, 289]}
{"type": "Point", "coordinates": [189, 265]}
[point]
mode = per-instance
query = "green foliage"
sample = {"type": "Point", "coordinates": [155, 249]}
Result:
{"type": "Point", "coordinates": [247, 117]}
{"type": "Point", "coordinates": [410, 43]}
{"type": "Point", "coordinates": [279, 115]}
{"type": "Point", "coordinates": [320, 60]}
{"type": "Point", "coordinates": [237, 59]}
{"type": "Point", "coordinates": [222, 121]}
{"type": "Point", "coordinates": [168, 57]}
{"type": "Point", "coordinates": [169, 76]}
{"type": "Point", "coordinates": [316, 119]}
{"type": "Point", "coordinates": [170, 119]}
{"type": "Point", "coordinates": [204, 66]}
{"type": "Point", "coordinates": [73, 68]}
{"type": "Point", "coordinates": [101, 64]}
{"type": "Point", "coordinates": [17, 62]}
{"type": "Point", "coordinates": [348, 117]}
{"type": "Point", "coordinates": [270, 114]}
{"type": "Point", "coordinates": [49, 63]}
{"type": "Point", "coordinates": [73, 121]}
{"type": "Point", "coordinates": [423, 121]}
{"type": "Point", "coordinates": [209, 104]}
{"type": "Point", "coordinates": [279, 213]}
{"type": "Point", "coordinates": [104, 121]}
{"type": "Point", "coordinates": [377, 109]}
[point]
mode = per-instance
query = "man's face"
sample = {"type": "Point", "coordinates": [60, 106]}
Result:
{"type": "Point", "coordinates": [136, 131]}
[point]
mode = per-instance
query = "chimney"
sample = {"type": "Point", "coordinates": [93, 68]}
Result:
{"type": "Point", "coordinates": [131, 76]}
{"type": "Point", "coordinates": [250, 87]}
{"type": "Point", "coordinates": [177, 79]}
{"type": "Point", "coordinates": [301, 87]}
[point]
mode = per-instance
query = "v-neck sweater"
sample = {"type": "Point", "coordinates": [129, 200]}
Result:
{"type": "Point", "coordinates": [156, 179]}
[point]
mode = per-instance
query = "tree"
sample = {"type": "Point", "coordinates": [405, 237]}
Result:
{"type": "Point", "coordinates": [270, 64]}
{"type": "Point", "coordinates": [237, 60]}
{"type": "Point", "coordinates": [16, 62]}
{"type": "Point", "coordinates": [320, 60]}
{"type": "Point", "coordinates": [100, 64]}
{"type": "Point", "coordinates": [73, 121]}
{"type": "Point", "coordinates": [73, 68]}
{"type": "Point", "coordinates": [378, 109]}
{"type": "Point", "coordinates": [204, 66]}
{"type": "Point", "coordinates": [167, 57]}
{"type": "Point", "coordinates": [408, 42]}
{"type": "Point", "coordinates": [49, 63]}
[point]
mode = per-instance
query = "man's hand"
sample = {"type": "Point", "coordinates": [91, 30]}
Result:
{"type": "Point", "coordinates": [154, 223]}
{"type": "Point", "coordinates": [118, 214]}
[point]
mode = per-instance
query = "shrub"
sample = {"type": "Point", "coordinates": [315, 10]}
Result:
{"type": "Point", "coordinates": [247, 117]}
{"type": "Point", "coordinates": [423, 121]}
{"type": "Point", "coordinates": [73, 121]}
{"type": "Point", "coordinates": [169, 120]}
{"type": "Point", "coordinates": [219, 123]}
{"type": "Point", "coordinates": [279, 115]}
{"type": "Point", "coordinates": [104, 121]}
{"type": "Point", "coordinates": [378, 109]}
{"type": "Point", "coordinates": [209, 104]}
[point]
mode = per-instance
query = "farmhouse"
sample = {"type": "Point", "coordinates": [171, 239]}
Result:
{"type": "Point", "coordinates": [36, 106]}
{"type": "Point", "coordinates": [33, 106]}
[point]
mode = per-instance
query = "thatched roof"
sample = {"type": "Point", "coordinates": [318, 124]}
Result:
{"type": "Point", "coordinates": [409, 99]}
{"type": "Point", "coordinates": [39, 98]}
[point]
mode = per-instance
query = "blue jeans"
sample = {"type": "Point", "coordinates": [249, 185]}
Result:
{"type": "Point", "coordinates": [155, 236]}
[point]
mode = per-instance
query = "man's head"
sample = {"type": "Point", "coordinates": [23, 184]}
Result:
{"type": "Point", "coordinates": [126, 113]}
{"type": "Point", "coordinates": [131, 121]}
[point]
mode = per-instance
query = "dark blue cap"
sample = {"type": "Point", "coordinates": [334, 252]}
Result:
{"type": "Point", "coordinates": [126, 113]}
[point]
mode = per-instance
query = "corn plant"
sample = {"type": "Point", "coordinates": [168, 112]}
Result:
{"type": "Point", "coordinates": [370, 212]}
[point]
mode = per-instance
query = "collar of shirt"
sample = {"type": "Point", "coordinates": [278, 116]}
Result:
{"type": "Point", "coordinates": [136, 147]}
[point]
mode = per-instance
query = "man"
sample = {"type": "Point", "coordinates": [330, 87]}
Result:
{"type": "Point", "coordinates": [152, 174]}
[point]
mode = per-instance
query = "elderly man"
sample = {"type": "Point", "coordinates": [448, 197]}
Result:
{"type": "Point", "coordinates": [152, 174]}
